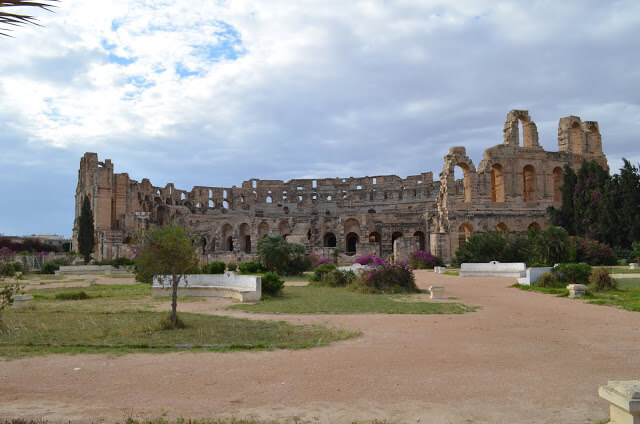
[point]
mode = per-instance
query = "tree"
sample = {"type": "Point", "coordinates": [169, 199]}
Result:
{"type": "Point", "coordinates": [273, 252]}
{"type": "Point", "coordinates": [168, 253]}
{"type": "Point", "coordinates": [86, 236]}
{"type": "Point", "coordinates": [552, 245]}
{"type": "Point", "coordinates": [18, 19]}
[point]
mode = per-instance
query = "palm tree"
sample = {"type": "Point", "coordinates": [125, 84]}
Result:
{"type": "Point", "coordinates": [17, 19]}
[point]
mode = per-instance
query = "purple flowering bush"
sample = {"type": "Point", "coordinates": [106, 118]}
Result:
{"type": "Point", "coordinates": [319, 261]}
{"type": "Point", "coordinates": [371, 260]}
{"type": "Point", "coordinates": [387, 278]}
{"type": "Point", "coordinates": [424, 260]}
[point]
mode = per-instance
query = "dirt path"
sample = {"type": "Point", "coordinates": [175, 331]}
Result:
{"type": "Point", "coordinates": [523, 358]}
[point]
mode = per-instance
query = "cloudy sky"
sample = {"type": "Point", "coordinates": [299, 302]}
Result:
{"type": "Point", "coordinates": [218, 92]}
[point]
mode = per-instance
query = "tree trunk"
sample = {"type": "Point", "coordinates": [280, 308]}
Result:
{"type": "Point", "coordinates": [174, 301]}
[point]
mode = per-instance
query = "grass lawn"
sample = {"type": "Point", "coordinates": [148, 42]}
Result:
{"type": "Point", "coordinates": [338, 300]}
{"type": "Point", "coordinates": [626, 270]}
{"type": "Point", "coordinates": [626, 297]}
{"type": "Point", "coordinates": [116, 320]}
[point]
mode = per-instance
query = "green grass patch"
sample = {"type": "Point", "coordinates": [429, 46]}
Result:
{"type": "Point", "coordinates": [620, 270]}
{"type": "Point", "coordinates": [454, 273]}
{"type": "Point", "coordinates": [77, 295]}
{"type": "Point", "coordinates": [132, 276]}
{"type": "Point", "coordinates": [35, 332]}
{"type": "Point", "coordinates": [627, 296]}
{"type": "Point", "coordinates": [338, 300]}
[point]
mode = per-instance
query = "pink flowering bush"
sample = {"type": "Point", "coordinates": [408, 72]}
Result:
{"type": "Point", "coordinates": [592, 251]}
{"type": "Point", "coordinates": [424, 260]}
{"type": "Point", "coordinates": [320, 261]}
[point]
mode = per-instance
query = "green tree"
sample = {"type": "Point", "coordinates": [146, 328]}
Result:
{"type": "Point", "coordinates": [552, 246]}
{"type": "Point", "coordinates": [168, 253]}
{"type": "Point", "coordinates": [86, 236]}
{"type": "Point", "coordinates": [273, 252]}
{"type": "Point", "coordinates": [12, 19]}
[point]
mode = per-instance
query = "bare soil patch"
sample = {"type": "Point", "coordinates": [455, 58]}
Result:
{"type": "Point", "coordinates": [523, 358]}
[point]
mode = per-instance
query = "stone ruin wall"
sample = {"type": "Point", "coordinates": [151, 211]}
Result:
{"type": "Point", "coordinates": [512, 187]}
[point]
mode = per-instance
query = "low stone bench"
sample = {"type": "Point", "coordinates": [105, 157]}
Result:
{"type": "Point", "coordinates": [91, 270]}
{"type": "Point", "coordinates": [439, 269]}
{"type": "Point", "coordinates": [533, 274]}
{"type": "Point", "coordinates": [493, 269]}
{"type": "Point", "coordinates": [633, 265]}
{"type": "Point", "coordinates": [576, 290]}
{"type": "Point", "coordinates": [624, 399]}
{"type": "Point", "coordinates": [436, 292]}
{"type": "Point", "coordinates": [244, 288]}
{"type": "Point", "coordinates": [21, 301]}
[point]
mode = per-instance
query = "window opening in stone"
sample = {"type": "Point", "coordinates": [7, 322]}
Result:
{"type": "Point", "coordinates": [464, 232]}
{"type": "Point", "coordinates": [225, 204]}
{"type": "Point", "coordinates": [529, 183]}
{"type": "Point", "coordinates": [254, 184]}
{"type": "Point", "coordinates": [314, 184]}
{"type": "Point", "coordinates": [497, 183]}
{"type": "Point", "coordinates": [396, 235]}
{"type": "Point", "coordinates": [421, 239]}
{"type": "Point", "coordinates": [534, 226]}
{"type": "Point", "coordinates": [359, 188]}
{"type": "Point", "coordinates": [501, 227]}
{"type": "Point", "coordinates": [269, 199]}
{"type": "Point", "coordinates": [329, 197]}
{"type": "Point", "coordinates": [371, 211]}
{"type": "Point", "coordinates": [351, 244]}
{"type": "Point", "coordinates": [211, 203]}
{"type": "Point", "coordinates": [329, 240]}
{"type": "Point", "coordinates": [374, 181]}
{"type": "Point", "coordinates": [464, 188]}
{"type": "Point", "coordinates": [210, 193]}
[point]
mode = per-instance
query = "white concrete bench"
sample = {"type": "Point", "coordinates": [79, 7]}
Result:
{"type": "Point", "coordinates": [440, 269]}
{"type": "Point", "coordinates": [91, 270]}
{"type": "Point", "coordinates": [21, 301]}
{"type": "Point", "coordinates": [624, 401]}
{"type": "Point", "coordinates": [493, 269]}
{"type": "Point", "coordinates": [533, 275]}
{"type": "Point", "coordinates": [576, 290]}
{"type": "Point", "coordinates": [633, 265]}
{"type": "Point", "coordinates": [436, 292]}
{"type": "Point", "coordinates": [245, 288]}
{"type": "Point", "coordinates": [356, 268]}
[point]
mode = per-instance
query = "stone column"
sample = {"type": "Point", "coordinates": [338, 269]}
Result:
{"type": "Point", "coordinates": [624, 398]}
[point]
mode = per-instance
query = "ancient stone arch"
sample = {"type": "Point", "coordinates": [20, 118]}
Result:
{"type": "Point", "coordinates": [529, 184]}
{"type": "Point", "coordinates": [263, 229]}
{"type": "Point", "coordinates": [227, 237]}
{"type": "Point", "coordinates": [245, 238]}
{"type": "Point", "coordinates": [497, 183]}
{"type": "Point", "coordinates": [512, 133]}
{"type": "Point", "coordinates": [557, 184]}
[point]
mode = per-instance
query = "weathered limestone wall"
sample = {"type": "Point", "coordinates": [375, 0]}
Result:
{"type": "Point", "coordinates": [511, 188]}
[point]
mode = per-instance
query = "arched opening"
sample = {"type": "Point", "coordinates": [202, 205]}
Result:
{"type": "Point", "coordinates": [211, 205]}
{"type": "Point", "coordinates": [371, 211]}
{"type": "Point", "coordinates": [421, 239]}
{"type": "Point", "coordinates": [534, 226]}
{"type": "Point", "coordinates": [374, 237]}
{"type": "Point", "coordinates": [351, 242]}
{"type": "Point", "coordinates": [497, 183]}
{"type": "Point", "coordinates": [263, 229]}
{"type": "Point", "coordinates": [269, 199]}
{"type": "Point", "coordinates": [204, 246]}
{"type": "Point", "coordinates": [396, 235]}
{"type": "Point", "coordinates": [284, 229]}
{"type": "Point", "coordinates": [245, 238]}
{"type": "Point", "coordinates": [212, 245]}
{"type": "Point", "coordinates": [351, 226]}
{"type": "Point", "coordinates": [529, 184]}
{"type": "Point", "coordinates": [329, 240]}
{"type": "Point", "coordinates": [464, 232]}
{"type": "Point", "coordinates": [594, 141]}
{"type": "Point", "coordinates": [501, 227]}
{"type": "Point", "coordinates": [577, 140]}
{"type": "Point", "coordinates": [162, 215]}
{"type": "Point", "coordinates": [227, 237]}
{"type": "Point", "coordinates": [557, 184]}
{"type": "Point", "coordinates": [464, 188]}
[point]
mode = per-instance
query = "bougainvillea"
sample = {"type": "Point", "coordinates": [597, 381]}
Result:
{"type": "Point", "coordinates": [424, 260]}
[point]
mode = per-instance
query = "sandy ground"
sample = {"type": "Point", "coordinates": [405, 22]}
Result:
{"type": "Point", "coordinates": [523, 358]}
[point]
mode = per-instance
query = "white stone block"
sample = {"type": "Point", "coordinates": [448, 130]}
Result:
{"type": "Point", "coordinates": [493, 269]}
{"type": "Point", "coordinates": [245, 288]}
{"type": "Point", "coordinates": [436, 292]}
{"type": "Point", "coordinates": [21, 301]}
{"type": "Point", "coordinates": [624, 399]}
{"type": "Point", "coordinates": [440, 269]}
{"type": "Point", "coordinates": [533, 274]}
{"type": "Point", "coordinates": [633, 265]}
{"type": "Point", "coordinates": [576, 290]}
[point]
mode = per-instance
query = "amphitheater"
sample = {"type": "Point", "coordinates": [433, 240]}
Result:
{"type": "Point", "coordinates": [512, 187]}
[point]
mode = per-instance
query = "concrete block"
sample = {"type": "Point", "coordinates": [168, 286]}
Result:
{"type": "Point", "coordinates": [633, 265]}
{"type": "Point", "coordinates": [436, 292]}
{"type": "Point", "coordinates": [440, 269]}
{"type": "Point", "coordinates": [624, 399]}
{"type": "Point", "coordinates": [576, 290]}
{"type": "Point", "coordinates": [21, 301]}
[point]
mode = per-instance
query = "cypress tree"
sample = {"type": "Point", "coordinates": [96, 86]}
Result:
{"type": "Point", "coordinates": [86, 241]}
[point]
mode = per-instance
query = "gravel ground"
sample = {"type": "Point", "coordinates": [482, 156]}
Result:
{"type": "Point", "coordinates": [523, 358]}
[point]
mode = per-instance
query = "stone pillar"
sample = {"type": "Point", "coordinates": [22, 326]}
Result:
{"type": "Point", "coordinates": [439, 246]}
{"type": "Point", "coordinates": [624, 398]}
{"type": "Point", "coordinates": [403, 247]}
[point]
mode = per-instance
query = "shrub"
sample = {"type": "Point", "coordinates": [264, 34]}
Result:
{"type": "Point", "coordinates": [396, 278]}
{"type": "Point", "coordinates": [552, 246]}
{"type": "Point", "coordinates": [79, 295]}
{"type": "Point", "coordinates": [635, 253]}
{"type": "Point", "coordinates": [166, 324]}
{"type": "Point", "coordinates": [50, 267]}
{"type": "Point", "coordinates": [271, 283]}
{"type": "Point", "coordinates": [370, 260]}
{"type": "Point", "coordinates": [232, 266]}
{"type": "Point", "coordinates": [336, 278]}
{"type": "Point", "coordinates": [424, 260]}
{"type": "Point", "coordinates": [602, 281]}
{"type": "Point", "coordinates": [572, 273]}
{"type": "Point", "coordinates": [249, 267]}
{"type": "Point", "coordinates": [502, 246]}
{"type": "Point", "coordinates": [122, 261]}
{"type": "Point", "coordinates": [9, 270]}
{"type": "Point", "coordinates": [321, 271]}
{"type": "Point", "coordinates": [298, 261]}
{"type": "Point", "coordinates": [592, 251]}
{"type": "Point", "coordinates": [213, 268]}
{"type": "Point", "coordinates": [143, 277]}
{"type": "Point", "coordinates": [548, 280]}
